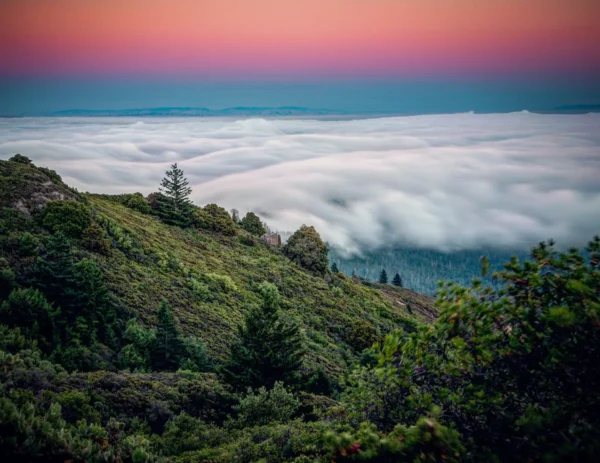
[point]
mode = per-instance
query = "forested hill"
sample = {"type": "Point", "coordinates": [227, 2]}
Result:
{"type": "Point", "coordinates": [208, 273]}
{"type": "Point", "coordinates": [147, 329]}
{"type": "Point", "coordinates": [422, 269]}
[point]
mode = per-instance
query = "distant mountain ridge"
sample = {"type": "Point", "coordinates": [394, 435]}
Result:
{"type": "Point", "coordinates": [185, 111]}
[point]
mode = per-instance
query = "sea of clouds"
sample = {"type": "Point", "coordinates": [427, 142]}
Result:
{"type": "Point", "coordinates": [458, 181]}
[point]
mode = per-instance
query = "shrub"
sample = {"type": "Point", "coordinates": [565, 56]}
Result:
{"type": "Point", "coordinates": [360, 334]}
{"type": "Point", "coordinates": [21, 159]}
{"type": "Point", "coordinates": [216, 219]}
{"type": "Point", "coordinates": [29, 309]}
{"type": "Point", "coordinates": [262, 407]}
{"type": "Point", "coordinates": [184, 433]}
{"type": "Point", "coordinates": [223, 282]}
{"type": "Point", "coordinates": [137, 202]}
{"type": "Point", "coordinates": [94, 240]}
{"type": "Point", "coordinates": [200, 291]}
{"type": "Point", "coordinates": [68, 217]}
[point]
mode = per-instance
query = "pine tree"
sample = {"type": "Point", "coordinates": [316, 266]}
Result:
{"type": "Point", "coordinates": [383, 278]}
{"type": "Point", "coordinates": [334, 268]}
{"type": "Point", "coordinates": [268, 348]}
{"type": "Point", "coordinates": [397, 281]}
{"type": "Point", "coordinates": [168, 349]}
{"type": "Point", "coordinates": [175, 206]}
{"type": "Point", "coordinates": [54, 273]}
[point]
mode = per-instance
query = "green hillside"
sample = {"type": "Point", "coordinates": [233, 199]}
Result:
{"type": "Point", "coordinates": [208, 279]}
{"type": "Point", "coordinates": [147, 329]}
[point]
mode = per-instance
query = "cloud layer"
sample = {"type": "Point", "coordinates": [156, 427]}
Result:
{"type": "Point", "coordinates": [446, 182]}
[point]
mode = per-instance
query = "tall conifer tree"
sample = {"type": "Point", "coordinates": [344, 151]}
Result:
{"type": "Point", "coordinates": [268, 348]}
{"type": "Point", "coordinates": [175, 205]}
{"type": "Point", "coordinates": [383, 278]}
{"type": "Point", "coordinates": [397, 281]}
{"type": "Point", "coordinates": [168, 349]}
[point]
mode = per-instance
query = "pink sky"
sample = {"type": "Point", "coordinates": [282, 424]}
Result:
{"type": "Point", "coordinates": [298, 37]}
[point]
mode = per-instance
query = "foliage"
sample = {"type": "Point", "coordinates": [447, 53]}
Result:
{"type": "Point", "coordinates": [426, 441]}
{"type": "Point", "coordinates": [334, 268]}
{"type": "Point", "coordinates": [216, 219]}
{"type": "Point", "coordinates": [93, 239]}
{"type": "Point", "coordinates": [174, 205]}
{"type": "Point", "coordinates": [361, 334]}
{"type": "Point", "coordinates": [168, 348]}
{"type": "Point", "coordinates": [29, 309]}
{"type": "Point", "coordinates": [30, 434]}
{"type": "Point", "coordinates": [253, 225]}
{"type": "Point", "coordinates": [268, 348]}
{"type": "Point", "coordinates": [262, 407]}
{"type": "Point", "coordinates": [20, 159]}
{"type": "Point", "coordinates": [383, 278]}
{"type": "Point", "coordinates": [138, 203]}
{"type": "Point", "coordinates": [68, 217]}
{"type": "Point", "coordinates": [512, 368]}
{"type": "Point", "coordinates": [307, 249]}
{"type": "Point", "coordinates": [397, 281]}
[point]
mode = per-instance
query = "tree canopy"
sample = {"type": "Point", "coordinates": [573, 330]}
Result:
{"type": "Point", "coordinates": [307, 249]}
{"type": "Point", "coordinates": [269, 348]}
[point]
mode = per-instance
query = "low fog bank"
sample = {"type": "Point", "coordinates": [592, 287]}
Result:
{"type": "Point", "coordinates": [443, 182]}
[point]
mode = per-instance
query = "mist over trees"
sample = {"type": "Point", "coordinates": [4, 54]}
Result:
{"type": "Point", "coordinates": [421, 269]}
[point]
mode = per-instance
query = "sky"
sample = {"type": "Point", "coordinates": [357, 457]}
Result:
{"type": "Point", "coordinates": [427, 55]}
{"type": "Point", "coordinates": [446, 182]}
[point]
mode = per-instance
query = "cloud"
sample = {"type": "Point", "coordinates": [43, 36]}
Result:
{"type": "Point", "coordinates": [445, 182]}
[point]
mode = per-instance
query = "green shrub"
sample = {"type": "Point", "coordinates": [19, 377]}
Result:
{"type": "Point", "coordinates": [223, 282]}
{"type": "Point", "coordinates": [93, 239]}
{"type": "Point", "coordinates": [262, 407]}
{"type": "Point", "coordinates": [21, 159]}
{"type": "Point", "coordinates": [68, 217]}
{"type": "Point", "coordinates": [200, 291]}
{"type": "Point", "coordinates": [360, 334]}
{"type": "Point", "coordinates": [138, 203]}
{"type": "Point", "coordinates": [216, 219]}
{"type": "Point", "coordinates": [28, 308]}
{"type": "Point", "coordinates": [184, 433]}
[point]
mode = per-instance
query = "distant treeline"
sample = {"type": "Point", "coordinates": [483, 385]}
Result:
{"type": "Point", "coordinates": [421, 269]}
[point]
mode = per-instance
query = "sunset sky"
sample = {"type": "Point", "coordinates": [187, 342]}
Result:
{"type": "Point", "coordinates": [255, 41]}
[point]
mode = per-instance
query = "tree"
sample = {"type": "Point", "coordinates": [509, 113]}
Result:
{"type": "Point", "coordinates": [307, 249]}
{"type": "Point", "coordinates": [397, 281]}
{"type": "Point", "coordinates": [175, 206]}
{"type": "Point", "coordinates": [268, 348]}
{"type": "Point", "coordinates": [168, 349]}
{"type": "Point", "coordinates": [334, 268]}
{"type": "Point", "coordinates": [383, 278]}
{"type": "Point", "coordinates": [235, 215]}
{"type": "Point", "coordinates": [252, 224]}
{"type": "Point", "coordinates": [54, 273]}
{"type": "Point", "coordinates": [513, 367]}
{"type": "Point", "coordinates": [214, 218]}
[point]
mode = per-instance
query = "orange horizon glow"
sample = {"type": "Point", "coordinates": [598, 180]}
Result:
{"type": "Point", "coordinates": [273, 37]}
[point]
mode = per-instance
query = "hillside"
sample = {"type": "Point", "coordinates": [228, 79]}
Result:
{"type": "Point", "coordinates": [147, 329]}
{"type": "Point", "coordinates": [209, 280]}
